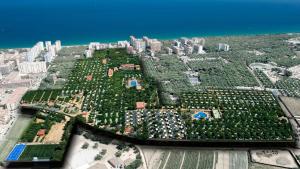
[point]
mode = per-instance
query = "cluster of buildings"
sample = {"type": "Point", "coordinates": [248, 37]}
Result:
{"type": "Point", "coordinates": [100, 46]}
{"type": "Point", "coordinates": [39, 47]}
{"type": "Point", "coordinates": [111, 71]}
{"type": "Point", "coordinates": [34, 52]}
{"type": "Point", "coordinates": [51, 50]}
{"type": "Point", "coordinates": [143, 45]}
{"type": "Point", "coordinates": [134, 46]}
{"type": "Point", "coordinates": [186, 46]}
{"type": "Point", "coordinates": [21, 70]}
{"type": "Point", "coordinates": [183, 46]}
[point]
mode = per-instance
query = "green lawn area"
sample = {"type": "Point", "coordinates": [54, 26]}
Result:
{"type": "Point", "coordinates": [39, 151]}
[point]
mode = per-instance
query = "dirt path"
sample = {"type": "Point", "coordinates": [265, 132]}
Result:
{"type": "Point", "coordinates": [259, 82]}
{"type": "Point", "coordinates": [198, 160]}
{"type": "Point", "coordinates": [214, 161]}
{"type": "Point", "coordinates": [182, 160]}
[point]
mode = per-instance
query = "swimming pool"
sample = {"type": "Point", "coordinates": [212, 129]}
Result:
{"type": "Point", "coordinates": [16, 152]}
{"type": "Point", "coordinates": [200, 115]}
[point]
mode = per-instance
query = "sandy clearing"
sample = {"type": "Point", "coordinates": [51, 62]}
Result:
{"type": "Point", "coordinates": [55, 134]}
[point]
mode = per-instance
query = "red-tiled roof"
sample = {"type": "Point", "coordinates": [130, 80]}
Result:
{"type": "Point", "coordinates": [41, 132]}
{"type": "Point", "coordinates": [140, 105]}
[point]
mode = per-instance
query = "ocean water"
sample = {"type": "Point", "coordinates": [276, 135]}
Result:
{"type": "Point", "coordinates": [24, 22]}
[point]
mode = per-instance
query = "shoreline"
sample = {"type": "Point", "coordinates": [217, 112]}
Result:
{"type": "Point", "coordinates": [162, 38]}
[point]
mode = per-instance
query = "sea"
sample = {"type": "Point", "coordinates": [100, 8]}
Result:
{"type": "Point", "coordinates": [75, 22]}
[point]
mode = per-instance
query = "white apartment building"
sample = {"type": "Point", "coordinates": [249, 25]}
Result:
{"type": "Point", "coordinates": [49, 56]}
{"type": "Point", "coordinates": [198, 49]}
{"type": "Point", "coordinates": [34, 51]}
{"type": "Point", "coordinates": [88, 53]}
{"type": "Point", "coordinates": [48, 45]}
{"type": "Point", "coordinates": [123, 44]}
{"type": "Point", "coordinates": [139, 45]}
{"type": "Point", "coordinates": [58, 45]}
{"type": "Point", "coordinates": [223, 47]}
{"type": "Point", "coordinates": [154, 45]}
{"type": "Point", "coordinates": [32, 67]}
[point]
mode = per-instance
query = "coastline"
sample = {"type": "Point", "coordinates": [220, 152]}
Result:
{"type": "Point", "coordinates": [66, 43]}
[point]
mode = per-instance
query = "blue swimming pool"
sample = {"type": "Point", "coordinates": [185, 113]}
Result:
{"type": "Point", "coordinates": [16, 152]}
{"type": "Point", "coordinates": [133, 83]}
{"type": "Point", "coordinates": [200, 115]}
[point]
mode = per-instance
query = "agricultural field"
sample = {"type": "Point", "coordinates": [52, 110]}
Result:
{"type": "Point", "coordinates": [231, 159]}
{"type": "Point", "coordinates": [263, 78]}
{"type": "Point", "coordinates": [289, 87]}
{"type": "Point", "coordinates": [40, 96]}
{"type": "Point", "coordinates": [223, 74]}
{"type": "Point", "coordinates": [193, 158]}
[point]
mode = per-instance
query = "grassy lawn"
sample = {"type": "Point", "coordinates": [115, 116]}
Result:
{"type": "Point", "coordinates": [39, 151]}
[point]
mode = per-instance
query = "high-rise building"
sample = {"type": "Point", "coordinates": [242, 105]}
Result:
{"type": "Point", "coordinates": [57, 45]}
{"type": "Point", "coordinates": [34, 51]}
{"type": "Point", "coordinates": [223, 47]}
{"type": "Point", "coordinates": [139, 45]}
{"type": "Point", "coordinates": [154, 45]}
{"type": "Point", "coordinates": [88, 53]}
{"type": "Point", "coordinates": [49, 56]}
{"type": "Point", "coordinates": [48, 45]}
{"type": "Point", "coordinates": [132, 40]}
{"type": "Point", "coordinates": [199, 49]}
{"type": "Point", "coordinates": [123, 44]}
